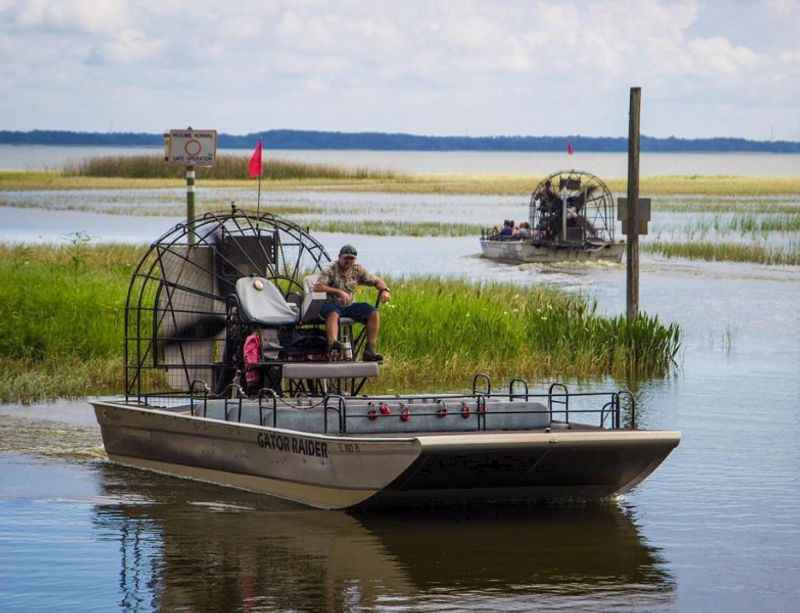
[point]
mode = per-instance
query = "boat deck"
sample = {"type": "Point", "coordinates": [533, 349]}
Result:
{"type": "Point", "coordinates": [392, 418]}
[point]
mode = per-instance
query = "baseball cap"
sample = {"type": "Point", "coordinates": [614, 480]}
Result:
{"type": "Point", "coordinates": [348, 250]}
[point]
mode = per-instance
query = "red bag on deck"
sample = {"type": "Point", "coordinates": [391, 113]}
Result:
{"type": "Point", "coordinates": [252, 356]}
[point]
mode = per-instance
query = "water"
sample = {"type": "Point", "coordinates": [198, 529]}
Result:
{"type": "Point", "coordinates": [714, 528]}
{"type": "Point", "coordinates": [38, 157]}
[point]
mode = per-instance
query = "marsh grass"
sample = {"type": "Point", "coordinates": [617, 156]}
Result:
{"type": "Point", "coordinates": [760, 206]}
{"type": "Point", "coordinates": [727, 252]}
{"type": "Point", "coordinates": [61, 314]}
{"type": "Point", "coordinates": [756, 224]}
{"type": "Point", "coordinates": [168, 209]}
{"type": "Point", "coordinates": [369, 227]}
{"type": "Point", "coordinates": [396, 228]}
{"type": "Point", "coordinates": [225, 167]}
{"type": "Point", "coordinates": [328, 178]}
{"type": "Point", "coordinates": [440, 331]}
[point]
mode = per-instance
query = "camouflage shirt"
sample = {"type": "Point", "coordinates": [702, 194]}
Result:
{"type": "Point", "coordinates": [349, 279]}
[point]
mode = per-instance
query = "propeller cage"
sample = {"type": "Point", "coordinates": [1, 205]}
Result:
{"type": "Point", "coordinates": [572, 207]}
{"type": "Point", "coordinates": [182, 319]}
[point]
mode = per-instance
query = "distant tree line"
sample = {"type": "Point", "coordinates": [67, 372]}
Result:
{"type": "Point", "coordinates": [381, 141]}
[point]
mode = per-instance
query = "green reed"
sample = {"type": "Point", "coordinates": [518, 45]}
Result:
{"type": "Point", "coordinates": [451, 328]}
{"type": "Point", "coordinates": [226, 167]}
{"type": "Point", "coordinates": [743, 224]}
{"type": "Point", "coordinates": [62, 313]}
{"type": "Point", "coordinates": [771, 206]}
{"type": "Point", "coordinates": [727, 252]}
{"type": "Point", "coordinates": [396, 228]}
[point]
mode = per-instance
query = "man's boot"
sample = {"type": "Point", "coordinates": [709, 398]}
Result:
{"type": "Point", "coordinates": [334, 348]}
{"type": "Point", "coordinates": [370, 355]}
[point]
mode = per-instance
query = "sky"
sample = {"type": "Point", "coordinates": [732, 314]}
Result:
{"type": "Point", "coordinates": [706, 68]}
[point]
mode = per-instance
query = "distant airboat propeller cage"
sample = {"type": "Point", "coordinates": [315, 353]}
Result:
{"type": "Point", "coordinates": [590, 207]}
{"type": "Point", "coordinates": [178, 305]}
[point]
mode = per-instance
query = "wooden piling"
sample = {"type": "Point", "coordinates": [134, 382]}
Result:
{"type": "Point", "coordinates": [632, 245]}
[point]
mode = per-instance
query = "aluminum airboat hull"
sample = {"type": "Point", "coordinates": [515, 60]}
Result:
{"type": "Point", "coordinates": [529, 252]}
{"type": "Point", "coordinates": [344, 471]}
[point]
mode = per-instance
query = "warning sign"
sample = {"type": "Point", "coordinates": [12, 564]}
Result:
{"type": "Point", "coordinates": [190, 147]}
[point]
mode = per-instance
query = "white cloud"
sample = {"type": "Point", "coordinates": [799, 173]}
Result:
{"type": "Point", "coordinates": [510, 67]}
{"type": "Point", "coordinates": [84, 15]}
{"type": "Point", "coordinates": [784, 8]}
{"type": "Point", "coordinates": [131, 45]}
{"type": "Point", "coordinates": [717, 56]}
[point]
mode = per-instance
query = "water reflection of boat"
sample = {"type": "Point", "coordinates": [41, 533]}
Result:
{"type": "Point", "coordinates": [188, 546]}
{"type": "Point", "coordinates": [571, 217]}
{"type": "Point", "coordinates": [289, 420]}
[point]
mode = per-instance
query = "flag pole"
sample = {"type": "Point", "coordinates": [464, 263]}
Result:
{"type": "Point", "coordinates": [258, 198]}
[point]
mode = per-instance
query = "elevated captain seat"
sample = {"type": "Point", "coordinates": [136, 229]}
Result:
{"type": "Point", "coordinates": [262, 304]}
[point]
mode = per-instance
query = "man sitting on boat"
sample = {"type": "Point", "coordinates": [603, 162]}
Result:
{"type": "Point", "coordinates": [340, 281]}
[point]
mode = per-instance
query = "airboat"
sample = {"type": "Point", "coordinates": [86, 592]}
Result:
{"type": "Point", "coordinates": [571, 217]}
{"type": "Point", "coordinates": [296, 422]}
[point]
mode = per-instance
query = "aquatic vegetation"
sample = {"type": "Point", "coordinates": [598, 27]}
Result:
{"type": "Point", "coordinates": [761, 206]}
{"type": "Point", "coordinates": [751, 223]}
{"type": "Point", "coordinates": [727, 252]}
{"type": "Point", "coordinates": [168, 209]}
{"type": "Point", "coordinates": [371, 227]}
{"type": "Point", "coordinates": [61, 328]}
{"type": "Point", "coordinates": [225, 167]}
{"type": "Point", "coordinates": [396, 228]}
{"type": "Point", "coordinates": [455, 327]}
{"type": "Point", "coordinates": [332, 178]}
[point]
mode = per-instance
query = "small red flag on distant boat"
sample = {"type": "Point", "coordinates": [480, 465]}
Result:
{"type": "Point", "coordinates": [570, 149]}
{"type": "Point", "coordinates": [254, 168]}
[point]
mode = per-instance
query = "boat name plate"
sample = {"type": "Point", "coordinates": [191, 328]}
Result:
{"type": "Point", "coordinates": [292, 444]}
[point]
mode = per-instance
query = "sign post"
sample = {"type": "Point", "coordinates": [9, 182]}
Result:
{"type": "Point", "coordinates": [190, 202]}
{"type": "Point", "coordinates": [190, 148]}
{"type": "Point", "coordinates": [632, 217]}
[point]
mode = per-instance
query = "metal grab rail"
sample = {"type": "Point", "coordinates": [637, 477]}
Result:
{"type": "Point", "coordinates": [511, 383]}
{"type": "Point", "coordinates": [240, 393]}
{"type": "Point", "coordinates": [459, 407]}
{"type": "Point", "coordinates": [565, 401]}
{"type": "Point", "coordinates": [481, 376]}
{"type": "Point", "coordinates": [341, 411]}
{"type": "Point", "coordinates": [205, 396]}
{"type": "Point", "coordinates": [271, 392]}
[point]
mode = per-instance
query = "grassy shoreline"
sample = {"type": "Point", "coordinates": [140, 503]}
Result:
{"type": "Point", "coordinates": [487, 184]}
{"type": "Point", "coordinates": [61, 329]}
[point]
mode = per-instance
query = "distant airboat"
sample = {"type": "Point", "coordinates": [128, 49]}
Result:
{"type": "Point", "coordinates": [571, 217]}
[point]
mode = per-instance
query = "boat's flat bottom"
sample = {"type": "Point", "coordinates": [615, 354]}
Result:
{"type": "Point", "coordinates": [523, 252]}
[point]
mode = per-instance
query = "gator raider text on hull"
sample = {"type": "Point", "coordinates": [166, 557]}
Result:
{"type": "Point", "coordinates": [294, 423]}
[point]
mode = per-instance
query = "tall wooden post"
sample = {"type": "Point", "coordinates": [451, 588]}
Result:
{"type": "Point", "coordinates": [190, 203]}
{"type": "Point", "coordinates": [632, 246]}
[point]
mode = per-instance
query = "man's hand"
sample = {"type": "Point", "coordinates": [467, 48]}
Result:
{"type": "Point", "coordinates": [385, 296]}
{"type": "Point", "coordinates": [345, 299]}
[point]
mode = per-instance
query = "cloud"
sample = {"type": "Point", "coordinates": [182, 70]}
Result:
{"type": "Point", "coordinates": [717, 56]}
{"type": "Point", "coordinates": [81, 15]}
{"type": "Point", "coordinates": [510, 67]}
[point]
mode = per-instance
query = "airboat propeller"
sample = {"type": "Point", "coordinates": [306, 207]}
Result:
{"type": "Point", "coordinates": [178, 309]}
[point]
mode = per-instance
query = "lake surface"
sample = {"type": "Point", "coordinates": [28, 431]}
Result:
{"type": "Point", "coordinates": [714, 528]}
{"type": "Point", "coordinates": [608, 165]}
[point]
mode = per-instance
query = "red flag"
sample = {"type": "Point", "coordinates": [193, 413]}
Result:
{"type": "Point", "coordinates": [570, 149]}
{"type": "Point", "coordinates": [254, 168]}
